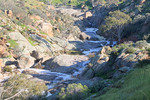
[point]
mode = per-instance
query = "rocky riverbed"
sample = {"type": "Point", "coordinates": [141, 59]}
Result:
{"type": "Point", "coordinates": [64, 69]}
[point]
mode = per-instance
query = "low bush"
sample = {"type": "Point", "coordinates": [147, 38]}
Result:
{"type": "Point", "coordinates": [130, 50]}
{"type": "Point", "coordinates": [141, 44]}
{"type": "Point", "coordinates": [74, 92]}
{"type": "Point", "coordinates": [97, 87]}
{"type": "Point", "coordinates": [7, 69]}
{"type": "Point", "coordinates": [143, 63]}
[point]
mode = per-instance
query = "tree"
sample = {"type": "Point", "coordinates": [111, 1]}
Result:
{"type": "Point", "coordinates": [20, 87]}
{"type": "Point", "coordinates": [115, 23]}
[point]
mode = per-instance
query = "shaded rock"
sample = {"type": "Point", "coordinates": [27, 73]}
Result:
{"type": "Point", "coordinates": [28, 71]}
{"type": "Point", "coordinates": [44, 77]}
{"type": "Point", "coordinates": [35, 54]}
{"type": "Point", "coordinates": [38, 65]}
{"type": "Point", "coordinates": [124, 69]}
{"type": "Point", "coordinates": [35, 79]}
{"type": "Point", "coordinates": [117, 75]}
{"type": "Point", "coordinates": [98, 64]}
{"type": "Point", "coordinates": [84, 36]}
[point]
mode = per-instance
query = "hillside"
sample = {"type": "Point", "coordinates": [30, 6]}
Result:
{"type": "Point", "coordinates": [74, 49]}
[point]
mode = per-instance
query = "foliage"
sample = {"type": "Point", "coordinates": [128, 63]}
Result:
{"type": "Point", "coordinates": [143, 63]}
{"type": "Point", "coordinates": [7, 69]}
{"type": "Point", "coordinates": [31, 41]}
{"type": "Point", "coordinates": [115, 22]}
{"type": "Point", "coordinates": [141, 44]}
{"type": "Point", "coordinates": [130, 50]}
{"type": "Point", "coordinates": [97, 87]}
{"type": "Point", "coordinates": [19, 83]}
{"type": "Point", "coordinates": [74, 92]}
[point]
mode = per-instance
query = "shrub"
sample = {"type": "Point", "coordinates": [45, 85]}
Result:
{"type": "Point", "coordinates": [74, 92]}
{"type": "Point", "coordinates": [39, 13]}
{"type": "Point", "coordinates": [26, 20]}
{"type": "Point", "coordinates": [28, 88]}
{"type": "Point", "coordinates": [143, 63]}
{"type": "Point", "coordinates": [141, 44]}
{"type": "Point", "coordinates": [130, 50]}
{"type": "Point", "coordinates": [7, 69]}
{"type": "Point", "coordinates": [97, 87]}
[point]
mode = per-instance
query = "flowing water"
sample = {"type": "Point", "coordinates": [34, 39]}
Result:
{"type": "Point", "coordinates": [96, 43]}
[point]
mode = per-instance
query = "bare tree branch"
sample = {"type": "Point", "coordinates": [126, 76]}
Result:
{"type": "Point", "coordinates": [15, 95]}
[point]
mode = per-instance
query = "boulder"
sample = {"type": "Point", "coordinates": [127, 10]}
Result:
{"type": "Point", "coordinates": [65, 63]}
{"type": "Point", "coordinates": [60, 44]}
{"type": "Point", "coordinates": [47, 28]}
{"type": "Point", "coordinates": [98, 63]}
{"type": "Point", "coordinates": [124, 69]}
{"type": "Point", "coordinates": [23, 47]}
{"type": "Point", "coordinates": [84, 36]}
{"type": "Point", "coordinates": [25, 61]}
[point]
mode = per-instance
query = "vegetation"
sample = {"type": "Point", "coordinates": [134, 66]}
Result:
{"type": "Point", "coordinates": [18, 87]}
{"type": "Point", "coordinates": [130, 50]}
{"type": "Point", "coordinates": [135, 87]}
{"type": "Point", "coordinates": [74, 92]}
{"type": "Point", "coordinates": [13, 43]}
{"type": "Point", "coordinates": [115, 23]}
{"type": "Point", "coordinates": [7, 69]}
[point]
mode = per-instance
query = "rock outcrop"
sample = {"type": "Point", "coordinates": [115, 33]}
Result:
{"type": "Point", "coordinates": [65, 63]}
{"type": "Point", "coordinates": [47, 28]}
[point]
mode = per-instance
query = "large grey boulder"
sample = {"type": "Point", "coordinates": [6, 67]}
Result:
{"type": "Point", "coordinates": [65, 63]}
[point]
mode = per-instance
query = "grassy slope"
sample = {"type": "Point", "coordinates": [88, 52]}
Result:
{"type": "Point", "coordinates": [135, 87]}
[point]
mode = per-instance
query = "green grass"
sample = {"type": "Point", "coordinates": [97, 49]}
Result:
{"type": "Point", "coordinates": [43, 33]}
{"type": "Point", "coordinates": [31, 41]}
{"type": "Point", "coordinates": [135, 87]}
{"type": "Point", "coordinates": [13, 43]}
